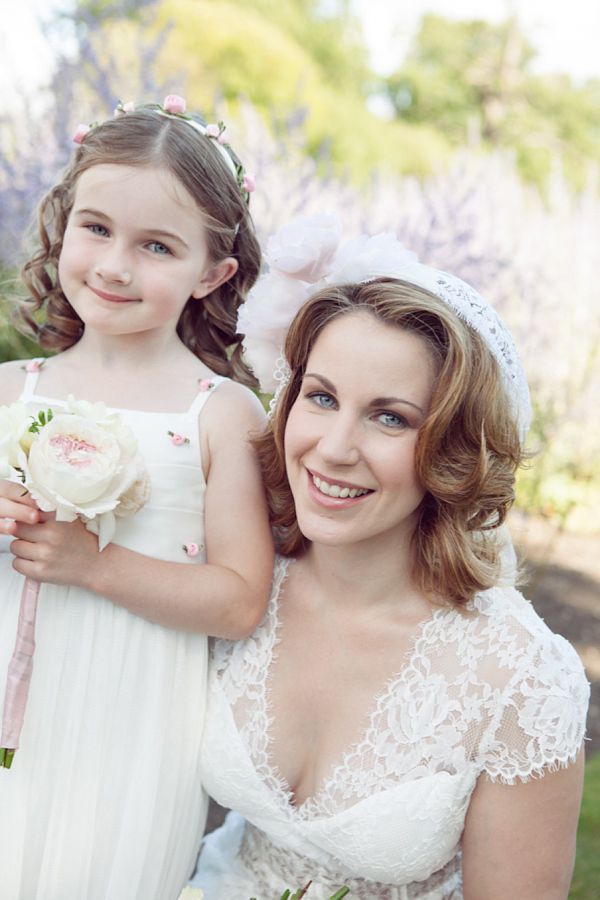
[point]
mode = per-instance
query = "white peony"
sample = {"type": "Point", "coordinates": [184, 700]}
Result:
{"type": "Point", "coordinates": [77, 467]}
{"type": "Point", "coordinates": [14, 429]}
{"type": "Point", "coordinates": [306, 248]}
{"type": "Point", "coordinates": [262, 357]}
{"type": "Point", "coordinates": [271, 305]}
{"type": "Point", "coordinates": [380, 256]}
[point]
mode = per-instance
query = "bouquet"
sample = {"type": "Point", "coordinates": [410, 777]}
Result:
{"type": "Point", "coordinates": [84, 464]}
{"type": "Point", "coordinates": [196, 894]}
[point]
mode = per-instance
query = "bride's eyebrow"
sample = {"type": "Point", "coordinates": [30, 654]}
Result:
{"type": "Point", "coordinates": [324, 381]}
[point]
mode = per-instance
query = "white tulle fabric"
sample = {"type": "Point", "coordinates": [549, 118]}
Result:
{"type": "Point", "coordinates": [493, 692]}
{"type": "Point", "coordinates": [104, 799]}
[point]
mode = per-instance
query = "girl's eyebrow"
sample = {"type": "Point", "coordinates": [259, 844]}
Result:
{"type": "Point", "coordinates": [378, 401]}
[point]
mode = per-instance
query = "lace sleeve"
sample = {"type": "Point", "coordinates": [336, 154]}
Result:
{"type": "Point", "coordinates": [540, 722]}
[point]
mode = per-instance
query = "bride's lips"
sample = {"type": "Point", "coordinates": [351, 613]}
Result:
{"type": "Point", "coordinates": [114, 298]}
{"type": "Point", "coordinates": [333, 502]}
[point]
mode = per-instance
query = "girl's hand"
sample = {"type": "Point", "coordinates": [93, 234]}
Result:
{"type": "Point", "coordinates": [55, 552]}
{"type": "Point", "coordinates": [16, 505]}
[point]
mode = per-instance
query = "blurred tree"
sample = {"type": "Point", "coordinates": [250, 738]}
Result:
{"type": "Point", "coordinates": [472, 81]}
{"type": "Point", "coordinates": [286, 56]}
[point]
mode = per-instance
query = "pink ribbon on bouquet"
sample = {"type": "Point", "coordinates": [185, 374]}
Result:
{"type": "Point", "coordinates": [19, 674]}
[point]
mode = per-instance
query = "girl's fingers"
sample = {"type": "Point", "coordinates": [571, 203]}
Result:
{"type": "Point", "coordinates": [11, 510]}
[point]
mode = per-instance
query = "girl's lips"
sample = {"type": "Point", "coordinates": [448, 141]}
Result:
{"type": "Point", "coordinates": [115, 298]}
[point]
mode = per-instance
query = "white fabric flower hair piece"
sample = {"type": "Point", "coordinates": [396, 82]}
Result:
{"type": "Point", "coordinates": [307, 255]}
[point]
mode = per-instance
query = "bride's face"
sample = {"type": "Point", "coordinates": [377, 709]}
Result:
{"type": "Point", "coordinates": [351, 434]}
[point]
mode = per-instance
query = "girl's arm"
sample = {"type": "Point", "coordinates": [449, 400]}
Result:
{"type": "Point", "coordinates": [227, 596]}
{"type": "Point", "coordinates": [519, 840]}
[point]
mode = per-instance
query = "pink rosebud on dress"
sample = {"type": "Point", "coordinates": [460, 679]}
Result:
{"type": "Point", "coordinates": [205, 385]}
{"type": "Point", "coordinates": [249, 182]}
{"type": "Point", "coordinates": [178, 439]}
{"type": "Point", "coordinates": [212, 131]}
{"type": "Point", "coordinates": [174, 104]}
{"type": "Point", "coordinates": [34, 365]}
{"type": "Point", "coordinates": [80, 133]}
{"type": "Point", "coordinates": [191, 549]}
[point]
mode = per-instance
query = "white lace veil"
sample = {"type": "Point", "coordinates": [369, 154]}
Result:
{"type": "Point", "coordinates": [306, 256]}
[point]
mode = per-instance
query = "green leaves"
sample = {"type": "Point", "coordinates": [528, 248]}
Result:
{"type": "Point", "coordinates": [42, 419]}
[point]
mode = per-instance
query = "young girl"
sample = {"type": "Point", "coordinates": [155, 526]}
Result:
{"type": "Point", "coordinates": [147, 250]}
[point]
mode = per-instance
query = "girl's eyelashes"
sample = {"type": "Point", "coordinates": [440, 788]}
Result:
{"type": "Point", "coordinates": [158, 248]}
{"type": "Point", "coordinates": [99, 230]}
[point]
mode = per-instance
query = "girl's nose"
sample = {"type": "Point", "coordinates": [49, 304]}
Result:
{"type": "Point", "coordinates": [113, 267]}
{"type": "Point", "coordinates": [340, 442]}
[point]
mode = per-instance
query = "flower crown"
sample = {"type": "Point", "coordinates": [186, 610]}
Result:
{"type": "Point", "coordinates": [306, 256]}
{"type": "Point", "coordinates": [174, 108]}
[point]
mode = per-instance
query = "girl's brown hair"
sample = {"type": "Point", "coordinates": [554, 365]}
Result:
{"type": "Point", "coordinates": [147, 138]}
{"type": "Point", "coordinates": [468, 448]}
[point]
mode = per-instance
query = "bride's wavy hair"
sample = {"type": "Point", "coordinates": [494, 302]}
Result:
{"type": "Point", "coordinates": [145, 138]}
{"type": "Point", "coordinates": [468, 448]}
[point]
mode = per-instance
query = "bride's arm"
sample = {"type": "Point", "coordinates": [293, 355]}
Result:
{"type": "Point", "coordinates": [519, 839]}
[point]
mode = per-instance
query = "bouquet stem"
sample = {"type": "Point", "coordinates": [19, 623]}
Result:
{"type": "Point", "coordinates": [19, 674]}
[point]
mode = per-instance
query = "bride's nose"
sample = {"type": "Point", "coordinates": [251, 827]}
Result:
{"type": "Point", "coordinates": [340, 441]}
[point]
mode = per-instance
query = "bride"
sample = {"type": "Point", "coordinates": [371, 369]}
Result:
{"type": "Point", "coordinates": [402, 722]}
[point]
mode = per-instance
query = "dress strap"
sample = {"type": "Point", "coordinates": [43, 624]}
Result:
{"type": "Point", "coordinates": [206, 387]}
{"type": "Point", "coordinates": [31, 378]}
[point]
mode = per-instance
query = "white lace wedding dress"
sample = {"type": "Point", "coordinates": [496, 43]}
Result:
{"type": "Point", "coordinates": [495, 692]}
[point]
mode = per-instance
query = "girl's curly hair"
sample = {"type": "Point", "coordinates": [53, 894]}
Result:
{"type": "Point", "coordinates": [146, 138]}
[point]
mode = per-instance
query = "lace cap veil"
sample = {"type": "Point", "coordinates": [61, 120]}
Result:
{"type": "Point", "coordinates": [306, 256]}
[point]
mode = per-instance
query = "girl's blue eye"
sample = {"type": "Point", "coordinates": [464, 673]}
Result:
{"type": "Point", "coordinates": [158, 248]}
{"type": "Point", "coordinates": [100, 230]}
{"type": "Point", "coordinates": [322, 399]}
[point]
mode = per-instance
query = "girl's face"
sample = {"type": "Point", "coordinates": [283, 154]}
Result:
{"type": "Point", "coordinates": [135, 251]}
{"type": "Point", "coordinates": [351, 434]}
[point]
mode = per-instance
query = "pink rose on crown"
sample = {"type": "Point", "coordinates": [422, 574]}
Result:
{"type": "Point", "coordinates": [174, 104]}
{"type": "Point", "coordinates": [306, 248]}
{"type": "Point", "coordinates": [80, 133]}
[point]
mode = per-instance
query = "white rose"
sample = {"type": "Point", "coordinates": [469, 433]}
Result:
{"type": "Point", "coordinates": [379, 256]}
{"type": "Point", "coordinates": [271, 305]}
{"type": "Point", "coordinates": [306, 248]}
{"type": "Point", "coordinates": [14, 428]}
{"type": "Point", "coordinates": [78, 468]}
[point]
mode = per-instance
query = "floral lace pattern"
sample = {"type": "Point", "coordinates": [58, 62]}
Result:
{"type": "Point", "coordinates": [491, 691]}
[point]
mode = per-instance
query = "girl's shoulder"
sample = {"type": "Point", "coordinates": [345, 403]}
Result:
{"type": "Point", "coordinates": [12, 380]}
{"type": "Point", "coordinates": [233, 403]}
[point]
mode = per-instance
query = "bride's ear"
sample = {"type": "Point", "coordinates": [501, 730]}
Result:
{"type": "Point", "coordinates": [215, 276]}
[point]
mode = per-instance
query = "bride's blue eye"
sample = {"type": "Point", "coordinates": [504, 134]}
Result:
{"type": "Point", "coordinates": [322, 399]}
{"type": "Point", "coordinates": [392, 420]}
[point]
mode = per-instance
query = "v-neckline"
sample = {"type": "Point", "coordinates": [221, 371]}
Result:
{"type": "Point", "coordinates": [313, 806]}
